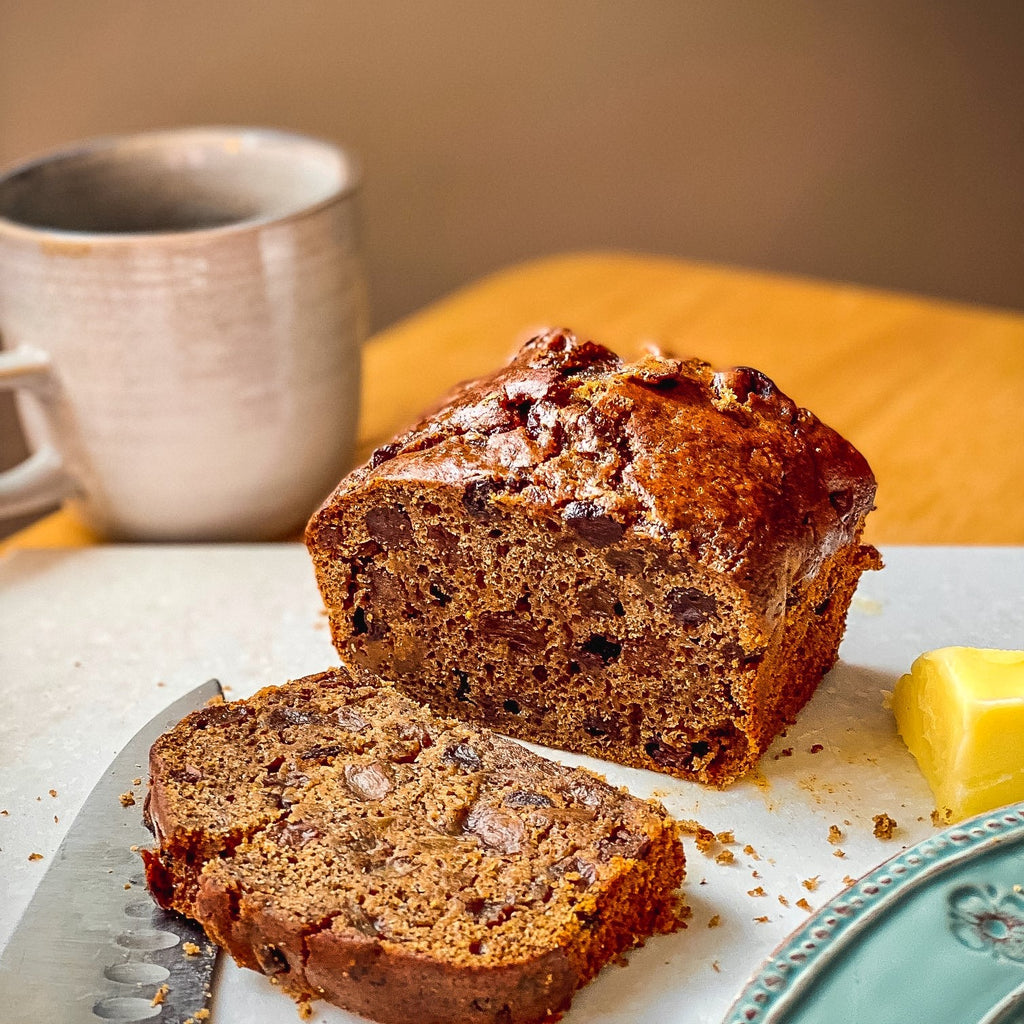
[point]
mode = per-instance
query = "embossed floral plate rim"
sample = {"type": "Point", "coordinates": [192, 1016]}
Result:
{"type": "Point", "coordinates": [816, 946]}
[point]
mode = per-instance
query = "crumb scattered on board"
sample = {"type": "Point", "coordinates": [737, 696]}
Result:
{"type": "Point", "coordinates": [190, 949]}
{"type": "Point", "coordinates": [703, 837]}
{"type": "Point", "coordinates": [810, 884]}
{"type": "Point", "coordinates": [127, 799]}
{"type": "Point", "coordinates": [709, 843]}
{"type": "Point", "coordinates": [160, 995]}
{"type": "Point", "coordinates": [885, 827]}
{"type": "Point", "coordinates": [35, 856]}
{"type": "Point", "coordinates": [835, 835]}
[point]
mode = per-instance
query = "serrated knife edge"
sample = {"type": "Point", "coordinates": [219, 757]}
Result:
{"type": "Point", "coordinates": [92, 945]}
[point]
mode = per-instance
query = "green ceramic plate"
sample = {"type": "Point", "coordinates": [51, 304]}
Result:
{"type": "Point", "coordinates": [936, 934]}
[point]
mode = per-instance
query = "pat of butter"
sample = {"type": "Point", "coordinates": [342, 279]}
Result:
{"type": "Point", "coordinates": [961, 713]}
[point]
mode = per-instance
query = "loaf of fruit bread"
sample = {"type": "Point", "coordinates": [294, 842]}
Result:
{"type": "Point", "coordinates": [356, 848]}
{"type": "Point", "coordinates": [649, 562]}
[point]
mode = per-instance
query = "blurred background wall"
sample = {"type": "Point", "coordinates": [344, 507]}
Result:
{"type": "Point", "coordinates": [877, 142]}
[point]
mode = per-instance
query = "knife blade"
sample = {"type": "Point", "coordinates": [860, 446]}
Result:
{"type": "Point", "coordinates": [92, 945]}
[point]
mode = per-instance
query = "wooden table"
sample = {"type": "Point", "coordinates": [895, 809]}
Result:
{"type": "Point", "coordinates": [931, 392]}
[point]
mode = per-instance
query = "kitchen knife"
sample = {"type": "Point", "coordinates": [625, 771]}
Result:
{"type": "Point", "coordinates": [92, 945]}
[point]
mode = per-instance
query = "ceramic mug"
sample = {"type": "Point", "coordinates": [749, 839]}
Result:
{"type": "Point", "coordinates": [183, 312]}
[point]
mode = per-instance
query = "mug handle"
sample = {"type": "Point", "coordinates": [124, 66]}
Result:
{"type": "Point", "coordinates": [40, 481]}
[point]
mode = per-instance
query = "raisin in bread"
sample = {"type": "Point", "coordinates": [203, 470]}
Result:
{"type": "Point", "coordinates": [649, 562]}
{"type": "Point", "coordinates": [356, 848]}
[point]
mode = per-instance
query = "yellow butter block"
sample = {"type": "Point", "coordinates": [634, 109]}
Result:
{"type": "Point", "coordinates": [960, 711]}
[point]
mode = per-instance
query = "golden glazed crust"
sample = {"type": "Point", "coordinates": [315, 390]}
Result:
{"type": "Point", "coordinates": [649, 562]}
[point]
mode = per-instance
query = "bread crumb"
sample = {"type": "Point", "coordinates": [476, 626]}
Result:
{"type": "Point", "coordinates": [137, 782]}
{"type": "Point", "coordinates": [939, 818]}
{"type": "Point", "coordinates": [53, 792]}
{"type": "Point", "coordinates": [803, 904]}
{"type": "Point", "coordinates": [817, 748]}
{"type": "Point", "coordinates": [35, 856]}
{"type": "Point", "coordinates": [703, 838]}
{"type": "Point", "coordinates": [716, 967]}
{"type": "Point", "coordinates": [726, 838]}
{"type": "Point", "coordinates": [127, 799]}
{"type": "Point", "coordinates": [56, 820]}
{"type": "Point", "coordinates": [305, 1009]}
{"type": "Point", "coordinates": [885, 827]}
{"type": "Point", "coordinates": [762, 920]}
{"type": "Point", "coordinates": [847, 880]}
{"type": "Point", "coordinates": [725, 857]}
{"type": "Point", "coordinates": [202, 1014]}
{"type": "Point", "coordinates": [785, 752]}
{"type": "Point", "coordinates": [160, 995]}
{"type": "Point", "coordinates": [835, 835]}
{"type": "Point", "coordinates": [5, 813]}
{"type": "Point", "coordinates": [751, 852]}
{"type": "Point", "coordinates": [839, 853]}
{"type": "Point", "coordinates": [783, 900]}
{"type": "Point", "coordinates": [810, 884]}
{"type": "Point", "coordinates": [190, 949]}
{"type": "Point", "coordinates": [759, 891]}
{"type": "Point", "coordinates": [714, 921]}
{"type": "Point", "coordinates": [215, 701]}
{"type": "Point", "coordinates": [127, 885]}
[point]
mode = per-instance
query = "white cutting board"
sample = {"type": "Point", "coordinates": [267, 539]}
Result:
{"type": "Point", "coordinates": [96, 641]}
